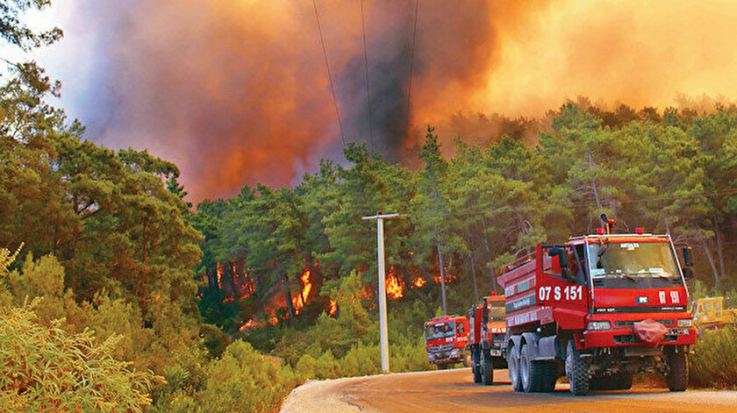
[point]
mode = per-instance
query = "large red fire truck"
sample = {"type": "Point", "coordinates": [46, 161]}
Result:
{"type": "Point", "coordinates": [488, 328]}
{"type": "Point", "coordinates": [598, 309]}
{"type": "Point", "coordinates": [446, 339]}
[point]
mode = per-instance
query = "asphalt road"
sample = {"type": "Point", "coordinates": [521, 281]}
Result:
{"type": "Point", "coordinates": [454, 391]}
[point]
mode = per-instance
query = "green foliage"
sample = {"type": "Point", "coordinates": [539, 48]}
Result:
{"type": "Point", "coordinates": [707, 364]}
{"type": "Point", "coordinates": [43, 368]}
{"type": "Point", "coordinates": [243, 381]}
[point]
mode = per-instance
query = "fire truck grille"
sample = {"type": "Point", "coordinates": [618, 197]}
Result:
{"type": "Point", "coordinates": [497, 340]}
{"type": "Point", "coordinates": [631, 323]}
{"type": "Point", "coordinates": [630, 339]}
{"type": "Point", "coordinates": [442, 347]}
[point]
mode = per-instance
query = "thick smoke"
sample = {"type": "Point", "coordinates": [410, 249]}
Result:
{"type": "Point", "coordinates": [236, 92]}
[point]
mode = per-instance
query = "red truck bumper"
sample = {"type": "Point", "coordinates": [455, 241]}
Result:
{"type": "Point", "coordinates": [623, 337]}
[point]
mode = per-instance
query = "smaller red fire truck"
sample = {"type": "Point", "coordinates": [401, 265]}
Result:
{"type": "Point", "coordinates": [446, 339]}
{"type": "Point", "coordinates": [488, 328]}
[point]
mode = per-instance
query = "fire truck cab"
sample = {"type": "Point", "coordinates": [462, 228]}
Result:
{"type": "Point", "coordinates": [488, 329]}
{"type": "Point", "coordinates": [598, 309]}
{"type": "Point", "coordinates": [446, 339]}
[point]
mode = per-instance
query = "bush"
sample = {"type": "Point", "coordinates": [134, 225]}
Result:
{"type": "Point", "coordinates": [243, 381]}
{"type": "Point", "coordinates": [710, 365]}
{"type": "Point", "coordinates": [46, 369]}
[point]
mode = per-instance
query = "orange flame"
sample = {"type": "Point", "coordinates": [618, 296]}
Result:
{"type": "Point", "coordinates": [419, 282]}
{"type": "Point", "coordinates": [393, 287]}
{"type": "Point", "coordinates": [219, 272]}
{"type": "Point", "coordinates": [249, 324]}
{"type": "Point", "coordinates": [333, 310]}
{"type": "Point", "coordinates": [297, 301]}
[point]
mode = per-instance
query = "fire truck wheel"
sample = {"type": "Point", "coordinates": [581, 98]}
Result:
{"type": "Point", "coordinates": [624, 381]}
{"type": "Point", "coordinates": [513, 364]}
{"type": "Point", "coordinates": [443, 366]}
{"type": "Point", "coordinates": [577, 370]}
{"type": "Point", "coordinates": [487, 369]}
{"type": "Point", "coordinates": [475, 367]}
{"type": "Point", "coordinates": [677, 376]}
{"type": "Point", "coordinates": [528, 374]}
{"type": "Point", "coordinates": [467, 359]}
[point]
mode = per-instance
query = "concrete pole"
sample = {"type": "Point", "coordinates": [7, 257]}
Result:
{"type": "Point", "coordinates": [383, 331]}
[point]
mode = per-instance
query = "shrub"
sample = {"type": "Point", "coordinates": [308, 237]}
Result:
{"type": "Point", "coordinates": [707, 365]}
{"type": "Point", "coordinates": [47, 369]}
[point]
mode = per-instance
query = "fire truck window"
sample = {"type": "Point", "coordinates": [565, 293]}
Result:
{"type": "Point", "coordinates": [578, 264]}
{"type": "Point", "coordinates": [460, 328]}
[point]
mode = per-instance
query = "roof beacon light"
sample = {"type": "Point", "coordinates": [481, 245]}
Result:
{"type": "Point", "coordinates": [639, 230]}
{"type": "Point", "coordinates": [600, 231]}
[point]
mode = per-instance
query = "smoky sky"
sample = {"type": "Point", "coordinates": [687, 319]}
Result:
{"type": "Point", "coordinates": [237, 93]}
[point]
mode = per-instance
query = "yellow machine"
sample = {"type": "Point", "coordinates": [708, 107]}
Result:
{"type": "Point", "coordinates": [710, 314]}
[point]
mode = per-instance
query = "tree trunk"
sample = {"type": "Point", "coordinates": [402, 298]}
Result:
{"type": "Point", "coordinates": [720, 254]}
{"type": "Point", "coordinates": [488, 252]}
{"type": "Point", "coordinates": [593, 183]}
{"type": "Point", "coordinates": [473, 276]}
{"type": "Point", "coordinates": [442, 278]}
{"type": "Point", "coordinates": [711, 260]}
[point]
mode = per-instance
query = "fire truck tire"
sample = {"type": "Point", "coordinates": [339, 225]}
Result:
{"type": "Point", "coordinates": [577, 370]}
{"type": "Point", "coordinates": [677, 377]}
{"type": "Point", "coordinates": [467, 358]}
{"type": "Point", "coordinates": [443, 366]}
{"type": "Point", "coordinates": [624, 381]}
{"type": "Point", "coordinates": [475, 367]}
{"type": "Point", "coordinates": [530, 373]}
{"type": "Point", "coordinates": [513, 365]}
{"type": "Point", "coordinates": [487, 369]}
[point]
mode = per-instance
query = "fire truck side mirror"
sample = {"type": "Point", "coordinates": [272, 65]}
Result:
{"type": "Point", "coordinates": [687, 263]}
{"type": "Point", "coordinates": [687, 259]}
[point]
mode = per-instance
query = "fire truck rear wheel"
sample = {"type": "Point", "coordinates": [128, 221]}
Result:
{"type": "Point", "coordinates": [677, 377]}
{"type": "Point", "coordinates": [443, 366]}
{"type": "Point", "coordinates": [476, 368]}
{"type": "Point", "coordinates": [513, 365]}
{"type": "Point", "coordinates": [487, 369]}
{"type": "Point", "coordinates": [577, 370]}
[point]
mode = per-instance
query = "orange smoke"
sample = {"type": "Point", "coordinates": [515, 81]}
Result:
{"type": "Point", "coordinates": [237, 92]}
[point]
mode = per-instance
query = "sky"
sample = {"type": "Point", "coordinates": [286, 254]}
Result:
{"type": "Point", "coordinates": [237, 92]}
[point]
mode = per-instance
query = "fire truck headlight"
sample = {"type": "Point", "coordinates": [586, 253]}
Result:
{"type": "Point", "coordinates": [599, 325]}
{"type": "Point", "coordinates": [687, 322]}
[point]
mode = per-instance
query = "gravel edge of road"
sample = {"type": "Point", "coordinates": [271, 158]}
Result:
{"type": "Point", "coordinates": [317, 396]}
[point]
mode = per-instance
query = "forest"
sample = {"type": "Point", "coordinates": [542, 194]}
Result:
{"type": "Point", "coordinates": [116, 294]}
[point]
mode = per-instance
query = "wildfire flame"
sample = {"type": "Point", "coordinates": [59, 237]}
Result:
{"type": "Point", "coordinates": [393, 288]}
{"type": "Point", "coordinates": [246, 326]}
{"type": "Point", "coordinates": [219, 272]}
{"type": "Point", "coordinates": [419, 282]}
{"type": "Point", "coordinates": [299, 301]}
{"type": "Point", "coordinates": [333, 310]}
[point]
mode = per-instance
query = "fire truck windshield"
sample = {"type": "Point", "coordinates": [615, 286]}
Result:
{"type": "Point", "coordinates": [632, 260]}
{"type": "Point", "coordinates": [496, 311]}
{"type": "Point", "coordinates": [436, 331]}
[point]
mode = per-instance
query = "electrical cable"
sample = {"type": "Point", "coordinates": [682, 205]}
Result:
{"type": "Point", "coordinates": [411, 64]}
{"type": "Point", "coordinates": [368, 89]}
{"type": "Point", "coordinates": [330, 76]}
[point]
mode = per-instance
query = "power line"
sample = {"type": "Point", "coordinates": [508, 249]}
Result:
{"type": "Point", "coordinates": [368, 92]}
{"type": "Point", "coordinates": [330, 76]}
{"type": "Point", "coordinates": [411, 63]}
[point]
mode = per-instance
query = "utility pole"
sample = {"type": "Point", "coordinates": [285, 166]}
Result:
{"type": "Point", "coordinates": [383, 331]}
